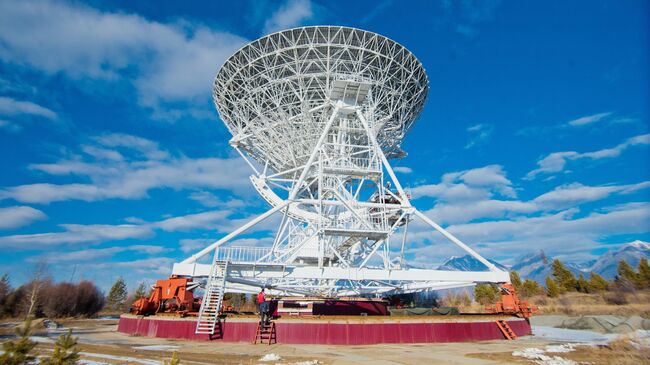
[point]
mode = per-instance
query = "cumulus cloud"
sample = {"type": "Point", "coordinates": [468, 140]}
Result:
{"type": "Point", "coordinates": [141, 167]}
{"type": "Point", "coordinates": [289, 15]}
{"type": "Point", "coordinates": [91, 254]}
{"type": "Point", "coordinates": [586, 120]}
{"type": "Point", "coordinates": [468, 185]}
{"type": "Point", "coordinates": [487, 193]}
{"type": "Point", "coordinates": [556, 161]}
{"type": "Point", "coordinates": [12, 107]}
{"type": "Point", "coordinates": [167, 63]}
{"type": "Point", "coordinates": [19, 216]}
{"type": "Point", "coordinates": [78, 234]}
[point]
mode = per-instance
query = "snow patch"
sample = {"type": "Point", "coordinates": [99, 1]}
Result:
{"type": "Point", "coordinates": [270, 357]}
{"type": "Point", "coordinates": [157, 347]}
{"type": "Point", "coordinates": [538, 356]}
{"type": "Point", "coordinates": [567, 335]}
{"type": "Point", "coordinates": [121, 358]}
{"type": "Point", "coordinates": [41, 339]}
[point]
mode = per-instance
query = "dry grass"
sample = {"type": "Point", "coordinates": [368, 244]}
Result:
{"type": "Point", "coordinates": [599, 303]}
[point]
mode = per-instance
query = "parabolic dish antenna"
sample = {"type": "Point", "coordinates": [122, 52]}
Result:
{"type": "Point", "coordinates": [317, 113]}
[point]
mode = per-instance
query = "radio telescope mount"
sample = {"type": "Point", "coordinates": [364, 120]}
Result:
{"type": "Point", "coordinates": [317, 113]}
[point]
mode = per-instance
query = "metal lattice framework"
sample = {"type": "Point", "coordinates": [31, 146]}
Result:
{"type": "Point", "coordinates": [317, 112]}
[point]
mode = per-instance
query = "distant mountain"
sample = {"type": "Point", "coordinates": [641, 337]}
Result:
{"type": "Point", "coordinates": [537, 266]}
{"type": "Point", "coordinates": [607, 264]}
{"type": "Point", "coordinates": [467, 263]}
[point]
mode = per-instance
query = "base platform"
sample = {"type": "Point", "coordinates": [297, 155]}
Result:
{"type": "Point", "coordinates": [341, 330]}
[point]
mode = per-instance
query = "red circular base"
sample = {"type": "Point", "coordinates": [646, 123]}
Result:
{"type": "Point", "coordinates": [355, 331]}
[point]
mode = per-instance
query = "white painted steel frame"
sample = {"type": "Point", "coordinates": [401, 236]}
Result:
{"type": "Point", "coordinates": [317, 112]}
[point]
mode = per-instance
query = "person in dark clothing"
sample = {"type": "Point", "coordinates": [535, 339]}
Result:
{"type": "Point", "coordinates": [264, 306]}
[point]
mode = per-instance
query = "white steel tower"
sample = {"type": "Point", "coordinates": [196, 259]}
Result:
{"type": "Point", "coordinates": [317, 113]}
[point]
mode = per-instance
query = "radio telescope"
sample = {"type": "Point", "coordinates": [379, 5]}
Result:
{"type": "Point", "coordinates": [317, 113]}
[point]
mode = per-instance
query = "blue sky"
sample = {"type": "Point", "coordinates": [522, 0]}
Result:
{"type": "Point", "coordinates": [114, 160]}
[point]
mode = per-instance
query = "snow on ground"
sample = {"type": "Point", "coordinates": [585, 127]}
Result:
{"type": "Point", "coordinates": [41, 339]}
{"type": "Point", "coordinates": [538, 356]}
{"type": "Point", "coordinates": [157, 347]}
{"type": "Point", "coordinates": [567, 335]}
{"type": "Point", "coordinates": [270, 357]}
{"type": "Point", "coordinates": [125, 359]}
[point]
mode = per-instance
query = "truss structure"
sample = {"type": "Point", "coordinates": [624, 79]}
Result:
{"type": "Point", "coordinates": [317, 113]}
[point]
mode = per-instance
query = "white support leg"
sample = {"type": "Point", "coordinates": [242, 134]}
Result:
{"type": "Point", "coordinates": [192, 259]}
{"type": "Point", "coordinates": [456, 241]}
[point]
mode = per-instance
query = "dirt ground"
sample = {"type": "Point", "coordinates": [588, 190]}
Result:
{"type": "Point", "coordinates": [100, 343]}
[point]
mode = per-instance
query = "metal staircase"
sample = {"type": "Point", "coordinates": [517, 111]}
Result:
{"type": "Point", "coordinates": [212, 298]}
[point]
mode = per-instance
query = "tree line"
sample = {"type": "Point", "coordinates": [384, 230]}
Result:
{"type": "Point", "coordinates": [41, 297]}
{"type": "Point", "coordinates": [562, 280]}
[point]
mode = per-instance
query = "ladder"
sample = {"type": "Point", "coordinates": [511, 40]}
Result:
{"type": "Point", "coordinates": [265, 331]}
{"type": "Point", "coordinates": [212, 298]}
{"type": "Point", "coordinates": [506, 329]}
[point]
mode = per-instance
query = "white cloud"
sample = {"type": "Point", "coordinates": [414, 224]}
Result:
{"type": "Point", "coordinates": [90, 254]}
{"type": "Point", "coordinates": [12, 107]}
{"type": "Point", "coordinates": [209, 200]}
{"type": "Point", "coordinates": [75, 234]}
{"type": "Point", "coordinates": [570, 195]}
{"type": "Point", "coordinates": [18, 216]}
{"type": "Point", "coordinates": [403, 169]}
{"type": "Point", "coordinates": [590, 119]}
{"type": "Point", "coordinates": [479, 134]}
{"type": "Point", "coordinates": [470, 184]}
{"type": "Point", "coordinates": [556, 161]}
{"type": "Point", "coordinates": [193, 221]}
{"type": "Point", "coordinates": [129, 176]}
{"type": "Point", "coordinates": [195, 244]}
{"type": "Point", "coordinates": [166, 62]}
{"type": "Point", "coordinates": [289, 15]}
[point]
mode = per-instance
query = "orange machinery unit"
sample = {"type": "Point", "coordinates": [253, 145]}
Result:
{"type": "Point", "coordinates": [511, 304]}
{"type": "Point", "coordinates": [173, 295]}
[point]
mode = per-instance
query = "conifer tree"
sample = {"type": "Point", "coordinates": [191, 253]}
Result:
{"type": "Point", "coordinates": [175, 360]}
{"type": "Point", "coordinates": [117, 295]}
{"type": "Point", "coordinates": [486, 294]}
{"type": "Point", "coordinates": [625, 273]}
{"type": "Point", "coordinates": [529, 288]}
{"type": "Point", "coordinates": [582, 285]}
{"type": "Point", "coordinates": [19, 352]}
{"type": "Point", "coordinates": [65, 351]}
{"type": "Point", "coordinates": [644, 273]}
{"type": "Point", "coordinates": [141, 291]}
{"type": "Point", "coordinates": [5, 289]}
{"type": "Point", "coordinates": [597, 283]}
{"type": "Point", "coordinates": [552, 289]}
{"type": "Point", "coordinates": [563, 277]}
{"type": "Point", "coordinates": [515, 279]}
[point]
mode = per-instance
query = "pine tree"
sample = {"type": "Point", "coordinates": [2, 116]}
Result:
{"type": "Point", "coordinates": [529, 288]}
{"type": "Point", "coordinates": [5, 289]}
{"type": "Point", "coordinates": [626, 273]}
{"type": "Point", "coordinates": [597, 283]}
{"type": "Point", "coordinates": [486, 294]}
{"type": "Point", "coordinates": [141, 291]}
{"type": "Point", "coordinates": [20, 352]}
{"type": "Point", "coordinates": [515, 280]}
{"type": "Point", "coordinates": [175, 360]}
{"type": "Point", "coordinates": [582, 285]}
{"type": "Point", "coordinates": [65, 351]}
{"type": "Point", "coordinates": [552, 289]}
{"type": "Point", "coordinates": [117, 295]}
{"type": "Point", "coordinates": [563, 277]}
{"type": "Point", "coordinates": [644, 272]}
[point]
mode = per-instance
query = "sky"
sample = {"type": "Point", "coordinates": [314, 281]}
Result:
{"type": "Point", "coordinates": [114, 161]}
